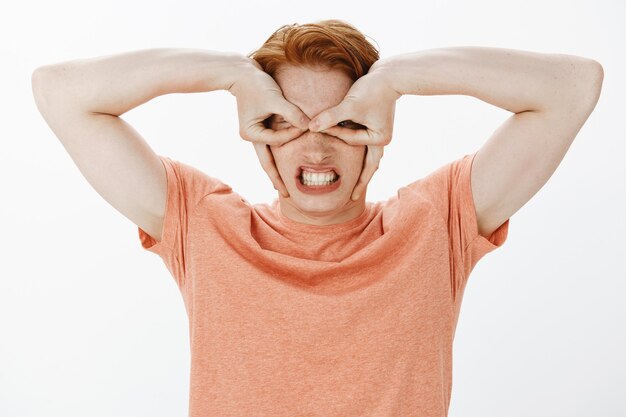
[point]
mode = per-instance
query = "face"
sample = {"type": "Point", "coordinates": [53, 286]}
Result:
{"type": "Point", "coordinates": [313, 91]}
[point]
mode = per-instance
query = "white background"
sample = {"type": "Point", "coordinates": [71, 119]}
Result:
{"type": "Point", "coordinates": [92, 324]}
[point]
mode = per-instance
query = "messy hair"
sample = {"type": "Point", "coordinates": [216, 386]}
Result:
{"type": "Point", "coordinates": [329, 43]}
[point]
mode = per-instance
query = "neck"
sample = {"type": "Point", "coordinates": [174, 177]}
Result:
{"type": "Point", "coordinates": [350, 211]}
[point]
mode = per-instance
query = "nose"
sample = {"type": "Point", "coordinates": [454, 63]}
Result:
{"type": "Point", "coordinates": [318, 147]}
{"type": "Point", "coordinates": [320, 138]}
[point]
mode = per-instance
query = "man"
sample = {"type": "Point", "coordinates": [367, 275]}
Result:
{"type": "Point", "coordinates": [321, 303]}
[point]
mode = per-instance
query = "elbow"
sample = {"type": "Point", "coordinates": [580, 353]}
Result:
{"type": "Point", "coordinates": [587, 86]}
{"type": "Point", "coordinates": [593, 83]}
{"type": "Point", "coordinates": [40, 86]}
{"type": "Point", "coordinates": [36, 79]}
{"type": "Point", "coordinates": [599, 70]}
{"type": "Point", "coordinates": [45, 85]}
{"type": "Point", "coordinates": [599, 76]}
{"type": "Point", "coordinates": [40, 77]}
{"type": "Point", "coordinates": [37, 83]}
{"type": "Point", "coordinates": [594, 74]}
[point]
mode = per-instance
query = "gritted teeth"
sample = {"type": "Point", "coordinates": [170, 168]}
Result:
{"type": "Point", "coordinates": [303, 170]}
{"type": "Point", "coordinates": [311, 178]}
{"type": "Point", "coordinates": [319, 177]}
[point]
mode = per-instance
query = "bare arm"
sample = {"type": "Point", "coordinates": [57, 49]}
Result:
{"type": "Point", "coordinates": [115, 84]}
{"type": "Point", "coordinates": [552, 95]}
{"type": "Point", "coordinates": [514, 80]}
{"type": "Point", "coordinates": [82, 100]}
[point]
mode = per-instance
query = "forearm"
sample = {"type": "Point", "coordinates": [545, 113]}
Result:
{"type": "Point", "coordinates": [513, 80]}
{"type": "Point", "coordinates": [115, 84]}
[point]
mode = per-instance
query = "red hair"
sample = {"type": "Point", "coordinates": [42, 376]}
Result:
{"type": "Point", "coordinates": [330, 43]}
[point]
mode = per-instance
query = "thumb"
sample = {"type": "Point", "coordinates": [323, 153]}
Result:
{"type": "Point", "coordinates": [330, 117]}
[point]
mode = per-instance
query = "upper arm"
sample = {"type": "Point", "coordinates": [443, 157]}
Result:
{"type": "Point", "coordinates": [116, 161]}
{"type": "Point", "coordinates": [523, 153]}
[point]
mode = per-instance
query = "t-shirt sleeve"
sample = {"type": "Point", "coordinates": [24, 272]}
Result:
{"type": "Point", "coordinates": [449, 189]}
{"type": "Point", "coordinates": [186, 186]}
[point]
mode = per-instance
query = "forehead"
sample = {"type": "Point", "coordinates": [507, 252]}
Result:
{"type": "Point", "coordinates": [312, 89]}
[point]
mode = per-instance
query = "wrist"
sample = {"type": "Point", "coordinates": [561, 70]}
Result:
{"type": "Point", "coordinates": [411, 73]}
{"type": "Point", "coordinates": [385, 72]}
{"type": "Point", "coordinates": [229, 68]}
{"type": "Point", "coordinates": [244, 68]}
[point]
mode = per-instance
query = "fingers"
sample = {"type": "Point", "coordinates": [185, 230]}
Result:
{"type": "Point", "coordinates": [372, 162]}
{"type": "Point", "coordinates": [259, 133]}
{"type": "Point", "coordinates": [331, 122]}
{"type": "Point", "coordinates": [328, 121]}
{"type": "Point", "coordinates": [351, 136]}
{"type": "Point", "coordinates": [294, 116]}
{"type": "Point", "coordinates": [269, 166]}
{"type": "Point", "coordinates": [330, 117]}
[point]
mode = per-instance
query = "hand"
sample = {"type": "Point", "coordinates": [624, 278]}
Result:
{"type": "Point", "coordinates": [370, 102]}
{"type": "Point", "coordinates": [259, 97]}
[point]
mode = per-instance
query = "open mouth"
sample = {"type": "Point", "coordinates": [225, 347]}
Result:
{"type": "Point", "coordinates": [316, 180]}
{"type": "Point", "coordinates": [316, 177]}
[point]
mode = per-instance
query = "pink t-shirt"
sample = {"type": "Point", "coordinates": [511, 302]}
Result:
{"type": "Point", "coordinates": [353, 319]}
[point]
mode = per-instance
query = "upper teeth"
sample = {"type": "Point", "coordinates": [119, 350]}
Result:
{"type": "Point", "coordinates": [319, 177]}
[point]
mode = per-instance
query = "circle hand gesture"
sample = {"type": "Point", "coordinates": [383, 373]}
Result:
{"type": "Point", "coordinates": [370, 102]}
{"type": "Point", "coordinates": [259, 97]}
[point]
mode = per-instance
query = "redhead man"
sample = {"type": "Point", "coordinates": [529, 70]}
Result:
{"type": "Point", "coordinates": [320, 303]}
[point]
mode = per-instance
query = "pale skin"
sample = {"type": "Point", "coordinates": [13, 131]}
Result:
{"type": "Point", "coordinates": [82, 102]}
{"type": "Point", "coordinates": [314, 90]}
{"type": "Point", "coordinates": [551, 96]}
